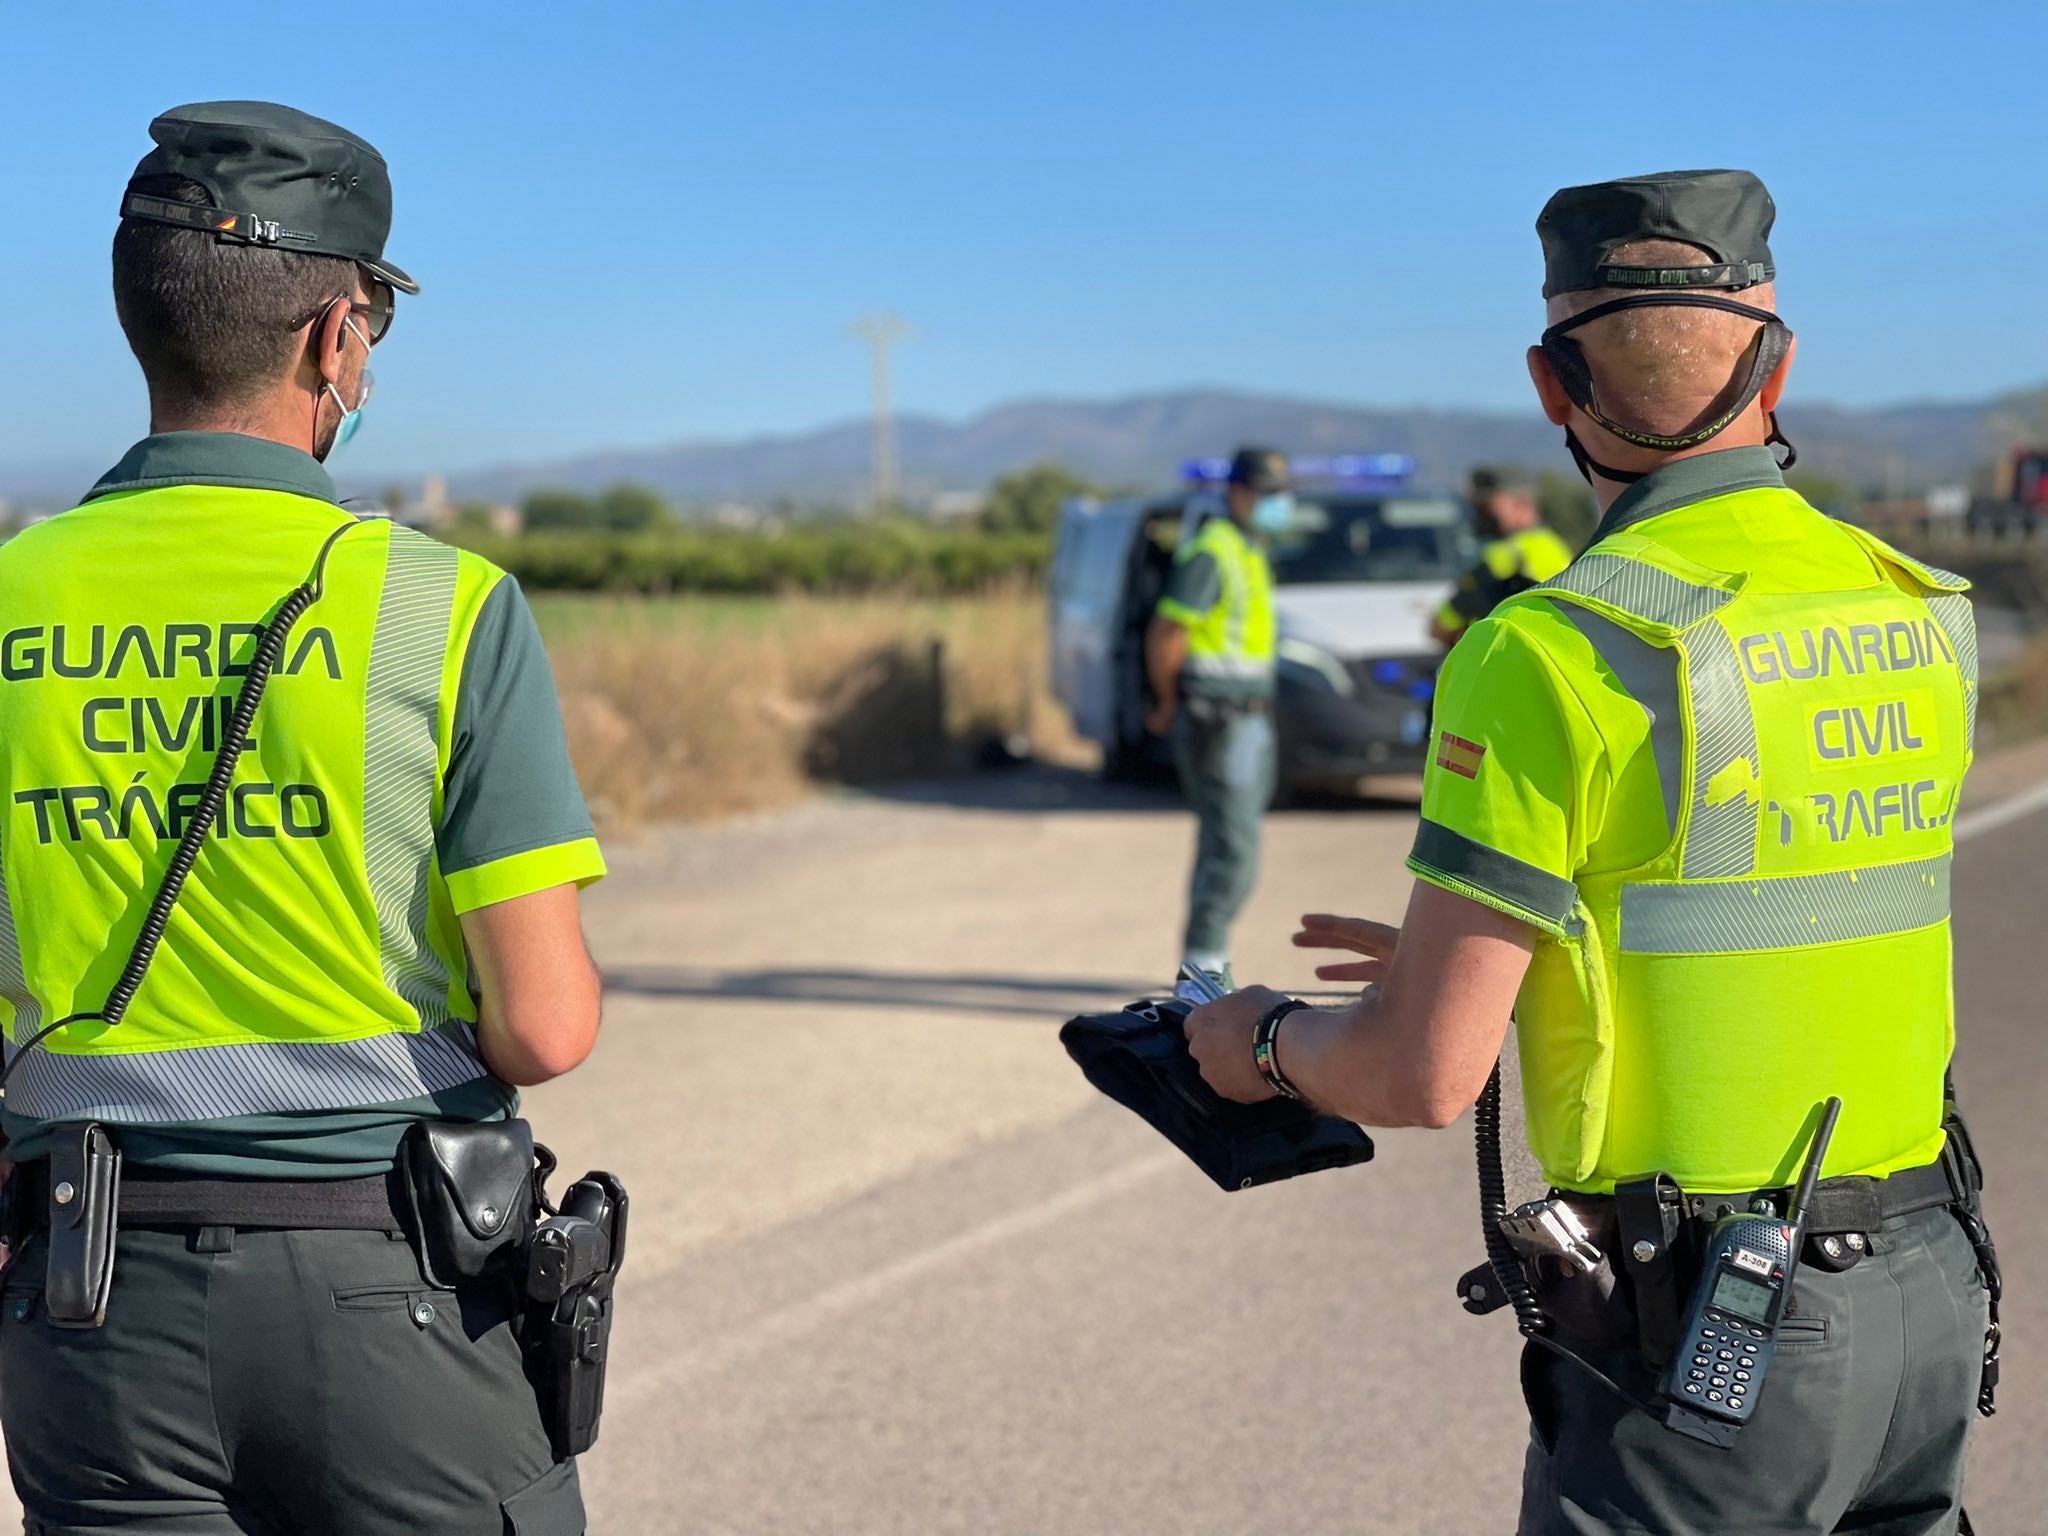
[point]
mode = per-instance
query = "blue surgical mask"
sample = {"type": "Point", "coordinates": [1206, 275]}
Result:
{"type": "Point", "coordinates": [351, 417]}
{"type": "Point", "coordinates": [1274, 513]}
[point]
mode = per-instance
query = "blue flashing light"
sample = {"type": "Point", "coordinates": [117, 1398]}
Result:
{"type": "Point", "coordinates": [1388, 673]}
{"type": "Point", "coordinates": [1422, 690]}
{"type": "Point", "coordinates": [1340, 468]}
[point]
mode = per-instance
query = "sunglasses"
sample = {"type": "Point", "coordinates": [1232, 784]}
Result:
{"type": "Point", "coordinates": [378, 312]}
{"type": "Point", "coordinates": [381, 309]}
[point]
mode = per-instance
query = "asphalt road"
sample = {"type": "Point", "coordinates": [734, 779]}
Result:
{"type": "Point", "coordinates": [1036, 1319]}
{"type": "Point", "coordinates": [896, 1269]}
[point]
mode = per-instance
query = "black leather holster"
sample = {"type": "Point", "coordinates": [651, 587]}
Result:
{"type": "Point", "coordinates": [84, 1197]}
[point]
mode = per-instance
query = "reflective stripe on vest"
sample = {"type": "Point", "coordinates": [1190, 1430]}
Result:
{"type": "Point", "coordinates": [315, 961]}
{"type": "Point", "coordinates": [1810, 748]}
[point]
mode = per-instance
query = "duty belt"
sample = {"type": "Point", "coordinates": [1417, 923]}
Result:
{"type": "Point", "coordinates": [157, 1197]}
{"type": "Point", "coordinates": [1851, 1204]}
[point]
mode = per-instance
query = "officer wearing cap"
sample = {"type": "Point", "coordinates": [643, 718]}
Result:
{"type": "Point", "coordinates": [1519, 552]}
{"type": "Point", "coordinates": [1209, 655]}
{"type": "Point", "coordinates": [1688, 818]}
{"type": "Point", "coordinates": [380, 926]}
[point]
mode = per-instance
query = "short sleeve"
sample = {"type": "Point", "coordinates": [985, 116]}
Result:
{"type": "Point", "coordinates": [1514, 765]}
{"type": "Point", "coordinates": [1193, 587]}
{"type": "Point", "coordinates": [513, 819]}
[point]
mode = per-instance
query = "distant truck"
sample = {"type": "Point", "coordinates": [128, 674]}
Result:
{"type": "Point", "coordinates": [1369, 560]}
{"type": "Point", "coordinates": [2018, 503]}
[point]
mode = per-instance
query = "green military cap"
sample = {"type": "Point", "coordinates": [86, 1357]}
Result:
{"type": "Point", "coordinates": [277, 177]}
{"type": "Point", "coordinates": [1261, 470]}
{"type": "Point", "coordinates": [1726, 213]}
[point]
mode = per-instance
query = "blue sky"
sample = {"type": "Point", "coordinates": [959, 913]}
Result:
{"type": "Point", "coordinates": [638, 223]}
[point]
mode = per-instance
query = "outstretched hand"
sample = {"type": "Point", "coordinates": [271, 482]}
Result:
{"type": "Point", "coordinates": [1374, 941]}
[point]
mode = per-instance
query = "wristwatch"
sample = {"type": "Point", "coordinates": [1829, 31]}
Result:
{"type": "Point", "coordinates": [1264, 1055]}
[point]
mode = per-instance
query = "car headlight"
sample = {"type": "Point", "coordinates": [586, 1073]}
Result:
{"type": "Point", "coordinates": [1313, 660]}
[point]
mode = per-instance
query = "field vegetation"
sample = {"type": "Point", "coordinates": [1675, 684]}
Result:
{"type": "Point", "coordinates": [696, 707]}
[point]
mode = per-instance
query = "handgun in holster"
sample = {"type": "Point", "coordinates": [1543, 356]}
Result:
{"type": "Point", "coordinates": [572, 1266]}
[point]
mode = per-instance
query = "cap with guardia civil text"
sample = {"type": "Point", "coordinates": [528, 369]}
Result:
{"type": "Point", "coordinates": [1725, 213]}
{"type": "Point", "coordinates": [1260, 470]}
{"type": "Point", "coordinates": [278, 177]}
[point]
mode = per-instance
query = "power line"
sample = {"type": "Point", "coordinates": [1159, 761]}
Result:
{"type": "Point", "coordinates": [881, 330]}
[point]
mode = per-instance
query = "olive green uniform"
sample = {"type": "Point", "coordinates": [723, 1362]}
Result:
{"type": "Point", "coordinates": [310, 1001]}
{"type": "Point", "coordinates": [1221, 592]}
{"type": "Point", "coordinates": [1715, 766]}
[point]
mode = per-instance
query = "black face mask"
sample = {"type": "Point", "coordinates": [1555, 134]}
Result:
{"type": "Point", "coordinates": [1568, 362]}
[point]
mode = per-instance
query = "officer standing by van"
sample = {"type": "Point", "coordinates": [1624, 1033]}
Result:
{"type": "Point", "coordinates": [1519, 550]}
{"type": "Point", "coordinates": [1689, 819]}
{"type": "Point", "coordinates": [1209, 655]}
{"type": "Point", "coordinates": [379, 929]}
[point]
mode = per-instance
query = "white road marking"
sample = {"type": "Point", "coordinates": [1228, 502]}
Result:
{"type": "Point", "coordinates": [2001, 812]}
{"type": "Point", "coordinates": [877, 1284]}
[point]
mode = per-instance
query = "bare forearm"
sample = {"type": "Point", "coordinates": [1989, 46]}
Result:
{"type": "Point", "coordinates": [1166, 651]}
{"type": "Point", "coordinates": [1363, 1064]}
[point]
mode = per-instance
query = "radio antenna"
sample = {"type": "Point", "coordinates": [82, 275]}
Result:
{"type": "Point", "coordinates": [1816, 1154]}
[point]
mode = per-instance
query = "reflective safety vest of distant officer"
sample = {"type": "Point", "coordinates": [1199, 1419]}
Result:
{"type": "Point", "coordinates": [379, 929]}
{"type": "Point", "coordinates": [1209, 655]}
{"type": "Point", "coordinates": [1689, 819]}
{"type": "Point", "coordinates": [1518, 553]}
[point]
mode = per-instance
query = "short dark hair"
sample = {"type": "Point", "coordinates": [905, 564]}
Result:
{"type": "Point", "coordinates": [210, 320]}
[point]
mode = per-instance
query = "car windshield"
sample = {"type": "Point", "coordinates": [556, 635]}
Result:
{"type": "Point", "coordinates": [1373, 538]}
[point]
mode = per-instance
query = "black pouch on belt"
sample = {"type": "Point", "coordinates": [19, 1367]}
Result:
{"type": "Point", "coordinates": [85, 1193]}
{"type": "Point", "coordinates": [472, 1192]}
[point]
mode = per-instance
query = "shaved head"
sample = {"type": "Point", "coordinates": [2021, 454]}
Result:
{"type": "Point", "coordinates": [1664, 368]}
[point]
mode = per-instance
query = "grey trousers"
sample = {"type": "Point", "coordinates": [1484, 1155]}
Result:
{"type": "Point", "coordinates": [1860, 1426]}
{"type": "Point", "coordinates": [1227, 769]}
{"type": "Point", "coordinates": [287, 1383]}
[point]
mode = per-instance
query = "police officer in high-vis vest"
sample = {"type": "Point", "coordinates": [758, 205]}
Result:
{"type": "Point", "coordinates": [1519, 551]}
{"type": "Point", "coordinates": [1209, 656]}
{"type": "Point", "coordinates": [1689, 817]}
{"type": "Point", "coordinates": [379, 929]}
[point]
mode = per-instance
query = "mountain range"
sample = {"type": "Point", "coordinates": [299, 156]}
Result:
{"type": "Point", "coordinates": [1142, 440]}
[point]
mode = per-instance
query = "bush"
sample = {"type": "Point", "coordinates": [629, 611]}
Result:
{"type": "Point", "coordinates": [827, 559]}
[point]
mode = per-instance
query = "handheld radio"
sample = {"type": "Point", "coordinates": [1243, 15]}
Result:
{"type": "Point", "coordinates": [1731, 1328]}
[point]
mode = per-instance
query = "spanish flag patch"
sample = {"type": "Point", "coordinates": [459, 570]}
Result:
{"type": "Point", "coordinates": [1458, 755]}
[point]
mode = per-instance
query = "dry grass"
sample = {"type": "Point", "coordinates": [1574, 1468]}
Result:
{"type": "Point", "coordinates": [692, 708]}
{"type": "Point", "coordinates": [2015, 701]}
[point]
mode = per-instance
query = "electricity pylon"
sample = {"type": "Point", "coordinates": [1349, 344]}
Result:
{"type": "Point", "coordinates": [881, 330]}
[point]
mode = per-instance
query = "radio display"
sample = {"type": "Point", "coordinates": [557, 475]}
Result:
{"type": "Point", "coordinates": [1746, 1298]}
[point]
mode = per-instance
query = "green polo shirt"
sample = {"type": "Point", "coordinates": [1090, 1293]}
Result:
{"type": "Point", "coordinates": [511, 820]}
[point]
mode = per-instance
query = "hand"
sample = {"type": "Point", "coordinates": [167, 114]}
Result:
{"type": "Point", "coordinates": [1375, 941]}
{"type": "Point", "coordinates": [1220, 1039]}
{"type": "Point", "coordinates": [1159, 720]}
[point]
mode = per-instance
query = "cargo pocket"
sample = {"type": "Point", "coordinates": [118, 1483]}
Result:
{"type": "Point", "coordinates": [550, 1505]}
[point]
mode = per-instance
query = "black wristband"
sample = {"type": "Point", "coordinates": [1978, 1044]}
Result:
{"type": "Point", "coordinates": [1264, 1054]}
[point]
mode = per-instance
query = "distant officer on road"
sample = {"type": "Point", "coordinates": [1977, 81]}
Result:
{"type": "Point", "coordinates": [380, 926]}
{"type": "Point", "coordinates": [1519, 551]}
{"type": "Point", "coordinates": [1209, 654]}
{"type": "Point", "coordinates": [1688, 819]}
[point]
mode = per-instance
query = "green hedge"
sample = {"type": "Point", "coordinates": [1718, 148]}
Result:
{"type": "Point", "coordinates": [882, 557]}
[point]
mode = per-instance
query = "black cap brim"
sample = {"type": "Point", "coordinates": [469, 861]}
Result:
{"type": "Point", "coordinates": [391, 274]}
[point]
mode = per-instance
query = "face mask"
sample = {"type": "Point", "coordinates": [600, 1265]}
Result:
{"type": "Point", "coordinates": [1274, 513]}
{"type": "Point", "coordinates": [351, 418]}
{"type": "Point", "coordinates": [1568, 362]}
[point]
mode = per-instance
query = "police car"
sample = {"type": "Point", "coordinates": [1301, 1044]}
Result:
{"type": "Point", "coordinates": [1369, 559]}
